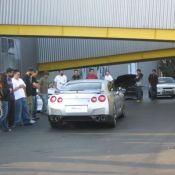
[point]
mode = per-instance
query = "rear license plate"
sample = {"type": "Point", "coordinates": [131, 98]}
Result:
{"type": "Point", "coordinates": [78, 109]}
{"type": "Point", "coordinates": [167, 92]}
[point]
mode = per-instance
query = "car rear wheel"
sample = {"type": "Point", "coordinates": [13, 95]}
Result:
{"type": "Point", "coordinates": [113, 122]}
{"type": "Point", "coordinates": [123, 112]}
{"type": "Point", "coordinates": [53, 125]}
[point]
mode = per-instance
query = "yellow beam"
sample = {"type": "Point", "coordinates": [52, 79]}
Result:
{"type": "Point", "coordinates": [87, 32]}
{"type": "Point", "coordinates": [114, 59]}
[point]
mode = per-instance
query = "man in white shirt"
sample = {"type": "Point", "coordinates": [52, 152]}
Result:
{"type": "Point", "coordinates": [60, 80]}
{"type": "Point", "coordinates": [21, 109]}
{"type": "Point", "coordinates": [108, 77]}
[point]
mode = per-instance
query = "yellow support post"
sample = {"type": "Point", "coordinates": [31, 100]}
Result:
{"type": "Point", "coordinates": [107, 60]}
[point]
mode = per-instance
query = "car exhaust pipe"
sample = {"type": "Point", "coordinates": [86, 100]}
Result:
{"type": "Point", "coordinates": [103, 118]}
{"type": "Point", "coordinates": [97, 119]}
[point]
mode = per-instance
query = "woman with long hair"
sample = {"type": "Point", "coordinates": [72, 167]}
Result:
{"type": "Point", "coordinates": [4, 92]}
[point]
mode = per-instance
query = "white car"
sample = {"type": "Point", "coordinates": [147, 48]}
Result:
{"type": "Point", "coordinates": [166, 87]}
{"type": "Point", "coordinates": [39, 100]}
{"type": "Point", "coordinates": [86, 100]}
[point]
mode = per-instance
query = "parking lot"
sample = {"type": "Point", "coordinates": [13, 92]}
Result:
{"type": "Point", "coordinates": [142, 143]}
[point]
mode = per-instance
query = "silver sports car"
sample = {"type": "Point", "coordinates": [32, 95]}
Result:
{"type": "Point", "coordinates": [86, 100]}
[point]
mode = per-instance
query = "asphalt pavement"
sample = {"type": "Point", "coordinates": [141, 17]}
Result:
{"type": "Point", "coordinates": [143, 143]}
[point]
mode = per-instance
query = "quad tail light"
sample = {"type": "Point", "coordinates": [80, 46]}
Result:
{"type": "Point", "coordinates": [60, 99]}
{"type": "Point", "coordinates": [101, 98]}
{"type": "Point", "coordinates": [93, 99]}
{"type": "Point", "coordinates": [53, 99]}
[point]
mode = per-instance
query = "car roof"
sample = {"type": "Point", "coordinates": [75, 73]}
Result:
{"type": "Point", "coordinates": [87, 80]}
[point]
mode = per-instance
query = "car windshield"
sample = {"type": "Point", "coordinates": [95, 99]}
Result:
{"type": "Point", "coordinates": [164, 80]}
{"type": "Point", "coordinates": [82, 86]}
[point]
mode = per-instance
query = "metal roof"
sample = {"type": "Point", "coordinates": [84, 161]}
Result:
{"type": "Point", "coordinates": [99, 13]}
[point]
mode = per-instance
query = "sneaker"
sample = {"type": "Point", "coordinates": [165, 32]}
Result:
{"type": "Point", "coordinates": [32, 121]}
{"type": "Point", "coordinates": [138, 101]}
{"type": "Point", "coordinates": [7, 130]}
{"type": "Point", "coordinates": [35, 118]}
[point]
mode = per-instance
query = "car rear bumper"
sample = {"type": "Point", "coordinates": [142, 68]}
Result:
{"type": "Point", "coordinates": [95, 118]}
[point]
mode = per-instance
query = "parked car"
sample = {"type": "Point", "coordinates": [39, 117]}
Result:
{"type": "Point", "coordinates": [128, 83]}
{"type": "Point", "coordinates": [166, 87]}
{"type": "Point", "coordinates": [86, 100]}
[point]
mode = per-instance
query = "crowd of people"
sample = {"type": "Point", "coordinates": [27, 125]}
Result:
{"type": "Point", "coordinates": [18, 101]}
{"type": "Point", "coordinates": [18, 96]}
{"type": "Point", "coordinates": [153, 81]}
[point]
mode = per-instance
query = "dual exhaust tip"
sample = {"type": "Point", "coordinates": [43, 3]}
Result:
{"type": "Point", "coordinates": [99, 118]}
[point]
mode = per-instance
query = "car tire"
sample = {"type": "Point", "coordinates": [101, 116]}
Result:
{"type": "Point", "coordinates": [149, 94]}
{"type": "Point", "coordinates": [113, 122]}
{"type": "Point", "coordinates": [53, 125]}
{"type": "Point", "coordinates": [123, 113]}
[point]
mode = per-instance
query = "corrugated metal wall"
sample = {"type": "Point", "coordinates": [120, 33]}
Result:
{"type": "Point", "coordinates": [58, 49]}
{"type": "Point", "coordinates": [21, 56]}
{"type": "Point", "coordinates": [9, 54]}
{"type": "Point", "coordinates": [103, 13]}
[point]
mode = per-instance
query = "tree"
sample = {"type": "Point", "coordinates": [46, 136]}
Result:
{"type": "Point", "coordinates": [167, 67]}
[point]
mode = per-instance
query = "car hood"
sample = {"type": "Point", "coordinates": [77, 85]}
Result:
{"type": "Point", "coordinates": [167, 85]}
{"type": "Point", "coordinates": [125, 80]}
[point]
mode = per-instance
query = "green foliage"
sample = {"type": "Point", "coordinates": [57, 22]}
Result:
{"type": "Point", "coordinates": [167, 67]}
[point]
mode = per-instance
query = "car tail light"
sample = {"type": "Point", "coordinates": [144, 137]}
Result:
{"type": "Point", "coordinates": [53, 99]}
{"type": "Point", "coordinates": [60, 99]}
{"type": "Point", "coordinates": [101, 98]}
{"type": "Point", "coordinates": [93, 99]}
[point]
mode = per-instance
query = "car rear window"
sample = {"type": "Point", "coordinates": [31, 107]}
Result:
{"type": "Point", "coordinates": [83, 86]}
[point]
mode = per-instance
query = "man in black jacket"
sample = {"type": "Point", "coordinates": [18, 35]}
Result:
{"type": "Point", "coordinates": [4, 93]}
{"type": "Point", "coordinates": [28, 81]}
{"type": "Point", "coordinates": [35, 86]}
{"type": "Point", "coordinates": [11, 97]}
{"type": "Point", "coordinates": [153, 81]}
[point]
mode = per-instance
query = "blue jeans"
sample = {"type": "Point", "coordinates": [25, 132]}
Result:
{"type": "Point", "coordinates": [153, 92]}
{"type": "Point", "coordinates": [139, 93]}
{"type": "Point", "coordinates": [3, 119]}
{"type": "Point", "coordinates": [34, 110]}
{"type": "Point", "coordinates": [44, 98]}
{"type": "Point", "coordinates": [21, 112]}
